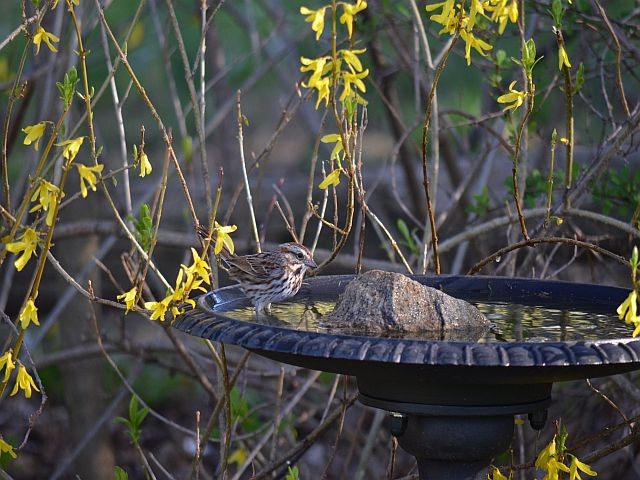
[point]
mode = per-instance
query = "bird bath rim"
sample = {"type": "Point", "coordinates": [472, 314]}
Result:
{"type": "Point", "coordinates": [453, 402]}
{"type": "Point", "coordinates": [562, 360]}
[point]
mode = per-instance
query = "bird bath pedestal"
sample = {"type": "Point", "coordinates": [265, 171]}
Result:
{"type": "Point", "coordinates": [452, 403]}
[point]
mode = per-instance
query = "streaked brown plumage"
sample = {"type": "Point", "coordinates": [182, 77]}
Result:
{"type": "Point", "coordinates": [267, 277]}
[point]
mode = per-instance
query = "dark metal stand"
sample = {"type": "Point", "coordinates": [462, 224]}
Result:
{"type": "Point", "coordinates": [452, 403]}
{"type": "Point", "coordinates": [455, 443]}
{"type": "Point", "coordinates": [449, 448]}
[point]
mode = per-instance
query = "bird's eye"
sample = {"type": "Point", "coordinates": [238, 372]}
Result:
{"type": "Point", "coordinates": [300, 255]}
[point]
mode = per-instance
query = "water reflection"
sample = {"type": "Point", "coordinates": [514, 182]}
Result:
{"type": "Point", "coordinates": [513, 322]}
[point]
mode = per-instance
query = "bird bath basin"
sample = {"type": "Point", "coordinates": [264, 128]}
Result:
{"type": "Point", "coordinates": [452, 402]}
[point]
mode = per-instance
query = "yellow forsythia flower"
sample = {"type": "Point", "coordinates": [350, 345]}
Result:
{"type": "Point", "coordinates": [7, 448]}
{"type": "Point", "coordinates": [25, 382]}
{"type": "Point", "coordinates": [581, 466]}
{"type": "Point", "coordinates": [476, 8]}
{"type": "Point", "coordinates": [29, 314]}
{"type": "Point", "coordinates": [47, 195]}
{"type": "Point", "coordinates": [495, 474]}
{"type": "Point", "coordinates": [26, 244]}
{"type": "Point", "coordinates": [349, 11]}
{"type": "Point", "coordinates": [332, 179]}
{"type": "Point", "coordinates": [43, 36]}
{"type": "Point", "coordinates": [199, 267]}
{"type": "Point", "coordinates": [88, 174]}
{"type": "Point", "coordinates": [472, 41]}
{"type": "Point", "coordinates": [514, 97]}
{"type": "Point", "coordinates": [7, 363]}
{"type": "Point", "coordinates": [563, 58]}
{"type": "Point", "coordinates": [129, 298]}
{"type": "Point", "coordinates": [158, 309]}
{"type": "Point", "coordinates": [145, 165]}
{"type": "Point", "coordinates": [548, 460]}
{"type": "Point", "coordinates": [501, 12]}
{"type": "Point", "coordinates": [447, 17]}
{"type": "Point", "coordinates": [34, 133]}
{"type": "Point", "coordinates": [349, 78]}
{"type": "Point", "coordinates": [337, 148]}
{"type": "Point", "coordinates": [223, 239]}
{"type": "Point", "coordinates": [71, 147]}
{"type": "Point", "coordinates": [238, 456]}
{"type": "Point", "coordinates": [315, 18]}
{"type": "Point", "coordinates": [628, 310]}
{"type": "Point", "coordinates": [319, 67]}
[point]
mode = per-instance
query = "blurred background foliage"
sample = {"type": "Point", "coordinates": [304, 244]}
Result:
{"type": "Point", "coordinates": [254, 46]}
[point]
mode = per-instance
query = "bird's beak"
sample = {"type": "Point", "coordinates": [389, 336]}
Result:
{"type": "Point", "coordinates": [310, 263]}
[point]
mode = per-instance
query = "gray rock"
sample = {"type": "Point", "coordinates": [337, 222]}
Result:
{"type": "Point", "coordinates": [391, 303]}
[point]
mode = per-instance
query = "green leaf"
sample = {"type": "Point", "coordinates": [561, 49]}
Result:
{"type": "Point", "coordinates": [187, 149]}
{"type": "Point", "coordinates": [67, 87]}
{"type": "Point", "coordinates": [144, 227]}
{"type": "Point", "coordinates": [120, 474]}
{"type": "Point", "coordinates": [407, 237]}
{"type": "Point", "coordinates": [557, 12]}
{"type": "Point", "coordinates": [293, 473]}
{"type": "Point", "coordinates": [481, 203]}
{"type": "Point", "coordinates": [136, 417]}
{"type": "Point", "coordinates": [579, 79]}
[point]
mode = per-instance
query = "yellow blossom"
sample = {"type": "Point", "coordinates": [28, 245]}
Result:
{"type": "Point", "coordinates": [158, 309]}
{"type": "Point", "coordinates": [34, 133]}
{"type": "Point", "coordinates": [496, 474]}
{"type": "Point", "coordinates": [7, 363]}
{"type": "Point", "coordinates": [26, 244]}
{"type": "Point", "coordinates": [349, 10]}
{"type": "Point", "coordinates": [352, 78]}
{"type": "Point", "coordinates": [319, 67]}
{"type": "Point", "coordinates": [239, 456]}
{"type": "Point", "coordinates": [548, 460]}
{"type": "Point", "coordinates": [476, 8]}
{"type": "Point", "coordinates": [582, 467]}
{"type": "Point", "coordinates": [337, 148]}
{"type": "Point", "coordinates": [323, 92]}
{"type": "Point", "coordinates": [88, 174]}
{"type": "Point", "coordinates": [447, 17]}
{"type": "Point", "coordinates": [315, 18]}
{"type": "Point", "coordinates": [223, 239]}
{"type": "Point", "coordinates": [472, 41]}
{"type": "Point", "coordinates": [514, 97]}
{"type": "Point", "coordinates": [188, 279]}
{"type": "Point", "coordinates": [129, 298]}
{"type": "Point", "coordinates": [24, 382]}
{"type": "Point", "coordinates": [29, 314]}
{"type": "Point", "coordinates": [47, 195]}
{"type": "Point", "coordinates": [145, 165]}
{"type": "Point", "coordinates": [43, 36]}
{"type": "Point", "coordinates": [332, 179]}
{"type": "Point", "coordinates": [628, 310]}
{"type": "Point", "coordinates": [502, 12]}
{"type": "Point", "coordinates": [199, 267]}
{"type": "Point", "coordinates": [71, 147]}
{"type": "Point", "coordinates": [636, 331]}
{"type": "Point", "coordinates": [7, 448]}
{"type": "Point", "coordinates": [351, 57]}
{"type": "Point", "coordinates": [563, 58]}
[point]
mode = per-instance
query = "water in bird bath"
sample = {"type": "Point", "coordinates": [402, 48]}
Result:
{"type": "Point", "coordinates": [513, 322]}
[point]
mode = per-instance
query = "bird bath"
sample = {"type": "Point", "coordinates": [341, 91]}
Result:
{"type": "Point", "coordinates": [452, 402]}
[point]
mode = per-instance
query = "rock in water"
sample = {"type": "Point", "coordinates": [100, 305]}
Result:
{"type": "Point", "coordinates": [387, 303]}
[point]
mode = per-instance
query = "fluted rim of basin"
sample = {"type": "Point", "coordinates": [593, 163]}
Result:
{"type": "Point", "coordinates": [617, 354]}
